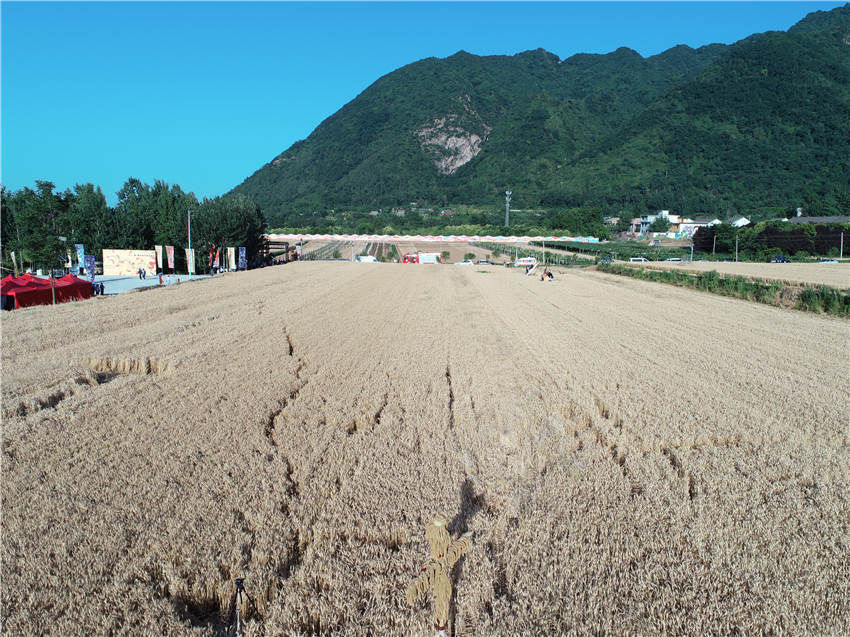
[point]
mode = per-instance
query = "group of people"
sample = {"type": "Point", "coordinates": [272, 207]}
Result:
{"type": "Point", "coordinates": [142, 274]}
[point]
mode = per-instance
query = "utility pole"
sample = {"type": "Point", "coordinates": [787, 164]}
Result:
{"type": "Point", "coordinates": [841, 251]}
{"type": "Point", "coordinates": [714, 242]}
{"type": "Point", "coordinates": [544, 254]}
{"type": "Point", "coordinates": [189, 226]}
{"type": "Point", "coordinates": [692, 252]}
{"type": "Point", "coordinates": [736, 248]}
{"type": "Point", "coordinates": [508, 194]}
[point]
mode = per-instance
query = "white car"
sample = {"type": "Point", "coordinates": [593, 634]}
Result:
{"type": "Point", "coordinates": [638, 260]}
{"type": "Point", "coordinates": [367, 258]}
{"type": "Point", "coordinates": [673, 259]}
{"type": "Point", "coordinates": [465, 262]}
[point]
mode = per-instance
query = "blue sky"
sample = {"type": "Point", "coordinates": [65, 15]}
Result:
{"type": "Point", "coordinates": [203, 94]}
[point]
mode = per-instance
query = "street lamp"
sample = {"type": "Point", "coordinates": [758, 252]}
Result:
{"type": "Point", "coordinates": [508, 194]}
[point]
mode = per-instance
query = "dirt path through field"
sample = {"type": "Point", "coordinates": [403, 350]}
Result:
{"type": "Point", "coordinates": [630, 457]}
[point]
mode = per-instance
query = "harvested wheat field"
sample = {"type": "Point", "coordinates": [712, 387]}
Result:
{"type": "Point", "coordinates": [628, 457]}
{"type": "Point", "coordinates": [836, 275]}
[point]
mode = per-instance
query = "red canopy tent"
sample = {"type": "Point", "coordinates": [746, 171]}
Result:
{"type": "Point", "coordinates": [27, 290]}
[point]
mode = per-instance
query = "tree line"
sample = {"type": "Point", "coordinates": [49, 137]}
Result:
{"type": "Point", "coordinates": [35, 221]}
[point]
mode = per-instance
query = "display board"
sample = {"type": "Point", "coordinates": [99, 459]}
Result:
{"type": "Point", "coordinates": [128, 262]}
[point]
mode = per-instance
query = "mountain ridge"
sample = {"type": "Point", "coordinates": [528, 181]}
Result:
{"type": "Point", "coordinates": [604, 130]}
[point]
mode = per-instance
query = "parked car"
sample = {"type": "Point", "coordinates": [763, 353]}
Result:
{"type": "Point", "coordinates": [484, 262]}
{"type": "Point", "coordinates": [780, 258]}
{"type": "Point", "coordinates": [606, 260]}
{"type": "Point", "coordinates": [828, 261]}
{"type": "Point", "coordinates": [673, 259]}
{"type": "Point", "coordinates": [465, 262]}
{"type": "Point", "coordinates": [638, 259]}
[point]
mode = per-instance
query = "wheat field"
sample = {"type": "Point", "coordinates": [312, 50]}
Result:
{"type": "Point", "coordinates": [836, 275]}
{"type": "Point", "coordinates": [627, 457]}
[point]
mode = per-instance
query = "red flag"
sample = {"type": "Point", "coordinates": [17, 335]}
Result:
{"type": "Point", "coordinates": [212, 255]}
{"type": "Point", "coordinates": [217, 257]}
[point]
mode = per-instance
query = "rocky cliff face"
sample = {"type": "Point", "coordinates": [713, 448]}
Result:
{"type": "Point", "coordinates": [455, 138]}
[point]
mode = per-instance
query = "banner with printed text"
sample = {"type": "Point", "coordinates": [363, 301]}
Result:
{"type": "Point", "coordinates": [90, 267]}
{"type": "Point", "coordinates": [231, 258]}
{"type": "Point", "coordinates": [243, 261]}
{"type": "Point", "coordinates": [128, 262]}
{"type": "Point", "coordinates": [190, 260]}
{"type": "Point", "coordinates": [170, 251]}
{"type": "Point", "coordinates": [81, 255]}
{"type": "Point", "coordinates": [158, 250]}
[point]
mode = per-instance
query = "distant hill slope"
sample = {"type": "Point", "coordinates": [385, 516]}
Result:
{"type": "Point", "coordinates": [760, 124]}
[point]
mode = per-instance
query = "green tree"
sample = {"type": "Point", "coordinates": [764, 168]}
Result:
{"type": "Point", "coordinates": [91, 220]}
{"type": "Point", "coordinates": [41, 218]}
{"type": "Point", "coordinates": [134, 216]}
{"type": "Point", "coordinates": [232, 220]}
{"type": "Point", "coordinates": [661, 224]}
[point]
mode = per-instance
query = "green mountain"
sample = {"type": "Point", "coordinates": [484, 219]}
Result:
{"type": "Point", "coordinates": [759, 127]}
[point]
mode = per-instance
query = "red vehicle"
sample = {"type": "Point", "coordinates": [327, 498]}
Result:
{"type": "Point", "coordinates": [410, 258]}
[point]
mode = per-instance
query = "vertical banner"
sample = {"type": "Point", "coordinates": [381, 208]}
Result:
{"type": "Point", "coordinates": [217, 260]}
{"type": "Point", "coordinates": [90, 268]}
{"type": "Point", "coordinates": [231, 258]}
{"type": "Point", "coordinates": [14, 263]}
{"type": "Point", "coordinates": [158, 250]}
{"type": "Point", "coordinates": [212, 256]}
{"type": "Point", "coordinates": [298, 250]}
{"type": "Point", "coordinates": [243, 262]}
{"type": "Point", "coordinates": [81, 255]}
{"type": "Point", "coordinates": [190, 260]}
{"type": "Point", "coordinates": [170, 251]}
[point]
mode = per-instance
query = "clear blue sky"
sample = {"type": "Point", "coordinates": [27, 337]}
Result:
{"type": "Point", "coordinates": [203, 94]}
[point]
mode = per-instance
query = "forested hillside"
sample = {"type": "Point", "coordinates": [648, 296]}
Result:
{"type": "Point", "coordinates": [758, 127]}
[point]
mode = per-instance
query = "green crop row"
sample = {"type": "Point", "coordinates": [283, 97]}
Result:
{"type": "Point", "coordinates": [811, 299]}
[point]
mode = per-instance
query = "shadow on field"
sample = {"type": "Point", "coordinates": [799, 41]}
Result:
{"type": "Point", "coordinates": [470, 504]}
{"type": "Point", "coordinates": [207, 613]}
{"type": "Point", "coordinates": [201, 613]}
